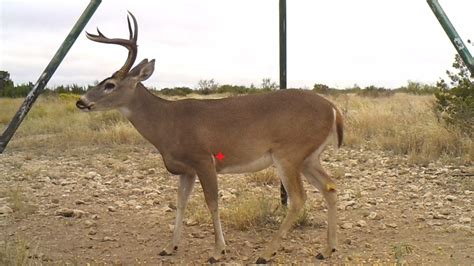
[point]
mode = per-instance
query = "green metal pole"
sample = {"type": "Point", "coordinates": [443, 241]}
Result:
{"type": "Point", "coordinates": [282, 44]}
{"type": "Point", "coordinates": [452, 34]}
{"type": "Point", "coordinates": [282, 23]}
{"type": "Point", "coordinates": [47, 74]}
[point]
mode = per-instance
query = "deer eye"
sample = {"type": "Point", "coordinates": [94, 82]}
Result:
{"type": "Point", "coordinates": [109, 86]}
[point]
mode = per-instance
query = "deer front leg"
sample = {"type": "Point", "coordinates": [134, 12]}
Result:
{"type": "Point", "coordinates": [208, 179]}
{"type": "Point", "coordinates": [186, 184]}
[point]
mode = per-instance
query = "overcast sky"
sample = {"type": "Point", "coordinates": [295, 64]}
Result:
{"type": "Point", "coordinates": [337, 42]}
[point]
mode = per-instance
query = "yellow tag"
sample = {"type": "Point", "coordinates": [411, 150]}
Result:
{"type": "Point", "coordinates": [330, 186]}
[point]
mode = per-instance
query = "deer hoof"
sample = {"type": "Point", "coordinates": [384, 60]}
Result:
{"type": "Point", "coordinates": [212, 260]}
{"type": "Point", "coordinates": [320, 256]}
{"type": "Point", "coordinates": [164, 253]}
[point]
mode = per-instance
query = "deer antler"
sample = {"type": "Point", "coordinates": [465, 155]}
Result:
{"type": "Point", "coordinates": [130, 44]}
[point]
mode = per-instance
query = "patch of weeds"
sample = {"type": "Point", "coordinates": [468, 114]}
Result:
{"type": "Point", "coordinates": [249, 212]}
{"type": "Point", "coordinates": [401, 250]}
{"type": "Point", "coordinates": [304, 220]}
{"type": "Point", "coordinates": [338, 173]}
{"type": "Point", "coordinates": [265, 177]}
{"type": "Point", "coordinates": [198, 211]}
{"type": "Point", "coordinates": [14, 252]}
{"type": "Point", "coordinates": [18, 202]}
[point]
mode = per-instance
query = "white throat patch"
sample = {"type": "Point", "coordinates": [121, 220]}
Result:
{"type": "Point", "coordinates": [125, 111]}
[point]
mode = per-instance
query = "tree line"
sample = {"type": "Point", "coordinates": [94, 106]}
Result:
{"type": "Point", "coordinates": [11, 90]}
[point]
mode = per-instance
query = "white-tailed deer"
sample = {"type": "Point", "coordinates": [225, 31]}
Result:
{"type": "Point", "coordinates": [288, 128]}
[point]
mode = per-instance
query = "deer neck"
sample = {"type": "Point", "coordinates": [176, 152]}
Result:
{"type": "Point", "coordinates": [147, 113]}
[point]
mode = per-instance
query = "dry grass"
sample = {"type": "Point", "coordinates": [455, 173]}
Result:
{"type": "Point", "coordinates": [267, 177]}
{"type": "Point", "coordinates": [55, 122]}
{"type": "Point", "coordinates": [403, 123]}
{"type": "Point", "coordinates": [247, 212]}
{"type": "Point", "coordinates": [13, 253]}
{"type": "Point", "coordinates": [250, 212]}
{"type": "Point", "coordinates": [18, 202]}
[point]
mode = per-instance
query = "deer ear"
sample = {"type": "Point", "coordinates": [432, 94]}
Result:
{"type": "Point", "coordinates": [143, 70]}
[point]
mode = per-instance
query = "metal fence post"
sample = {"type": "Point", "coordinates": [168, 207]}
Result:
{"type": "Point", "coordinates": [452, 34]}
{"type": "Point", "coordinates": [282, 23]}
{"type": "Point", "coordinates": [47, 73]}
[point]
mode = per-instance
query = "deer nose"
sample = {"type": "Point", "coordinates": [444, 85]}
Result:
{"type": "Point", "coordinates": [81, 105]}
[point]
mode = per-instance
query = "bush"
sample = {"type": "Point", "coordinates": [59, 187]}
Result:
{"type": "Point", "coordinates": [17, 91]}
{"type": "Point", "coordinates": [326, 90]}
{"type": "Point", "coordinates": [375, 92]}
{"type": "Point", "coordinates": [177, 91]}
{"type": "Point", "coordinates": [418, 88]}
{"type": "Point", "coordinates": [455, 103]}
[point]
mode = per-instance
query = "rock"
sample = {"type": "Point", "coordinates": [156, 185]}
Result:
{"type": "Point", "coordinates": [89, 223]}
{"type": "Point", "coordinates": [361, 223]}
{"type": "Point", "coordinates": [197, 235]}
{"type": "Point", "coordinates": [80, 202]}
{"type": "Point", "coordinates": [91, 175]}
{"type": "Point", "coordinates": [108, 238]}
{"type": "Point", "coordinates": [111, 209]}
{"type": "Point", "coordinates": [450, 198]}
{"type": "Point", "coordinates": [171, 227]}
{"type": "Point", "coordinates": [392, 225]}
{"type": "Point", "coordinates": [5, 210]}
{"type": "Point", "coordinates": [434, 223]}
{"type": "Point", "coordinates": [70, 213]}
{"type": "Point", "coordinates": [465, 220]}
{"type": "Point", "coordinates": [349, 204]}
{"type": "Point", "coordinates": [375, 216]}
{"type": "Point", "coordinates": [190, 222]}
{"type": "Point", "coordinates": [439, 216]}
{"type": "Point", "coordinates": [55, 201]}
{"type": "Point", "coordinates": [458, 227]}
{"type": "Point", "coordinates": [346, 226]}
{"type": "Point", "coordinates": [445, 211]}
{"type": "Point", "coordinates": [166, 209]}
{"type": "Point", "coordinates": [348, 241]}
{"type": "Point", "coordinates": [420, 218]}
{"type": "Point", "coordinates": [428, 195]}
{"type": "Point", "coordinates": [372, 201]}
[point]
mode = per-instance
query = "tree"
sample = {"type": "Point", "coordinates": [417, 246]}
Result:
{"type": "Point", "coordinates": [268, 84]}
{"type": "Point", "coordinates": [5, 81]}
{"type": "Point", "coordinates": [207, 86]}
{"type": "Point", "coordinates": [455, 102]}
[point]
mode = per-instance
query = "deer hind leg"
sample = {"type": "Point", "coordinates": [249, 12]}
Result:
{"type": "Point", "coordinates": [318, 177]}
{"type": "Point", "coordinates": [186, 185]}
{"type": "Point", "coordinates": [208, 179]}
{"type": "Point", "coordinates": [293, 184]}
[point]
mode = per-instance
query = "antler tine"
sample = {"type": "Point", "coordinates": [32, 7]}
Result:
{"type": "Point", "coordinates": [130, 44]}
{"type": "Point", "coordinates": [135, 26]}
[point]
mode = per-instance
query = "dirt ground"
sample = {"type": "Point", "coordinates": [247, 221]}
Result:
{"type": "Point", "coordinates": [116, 205]}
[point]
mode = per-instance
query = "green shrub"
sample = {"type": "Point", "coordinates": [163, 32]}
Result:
{"type": "Point", "coordinates": [455, 102]}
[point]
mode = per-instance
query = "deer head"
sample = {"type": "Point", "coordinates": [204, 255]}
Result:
{"type": "Point", "coordinates": [116, 90]}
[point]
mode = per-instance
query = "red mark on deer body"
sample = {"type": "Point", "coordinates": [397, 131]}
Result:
{"type": "Point", "coordinates": [219, 156]}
